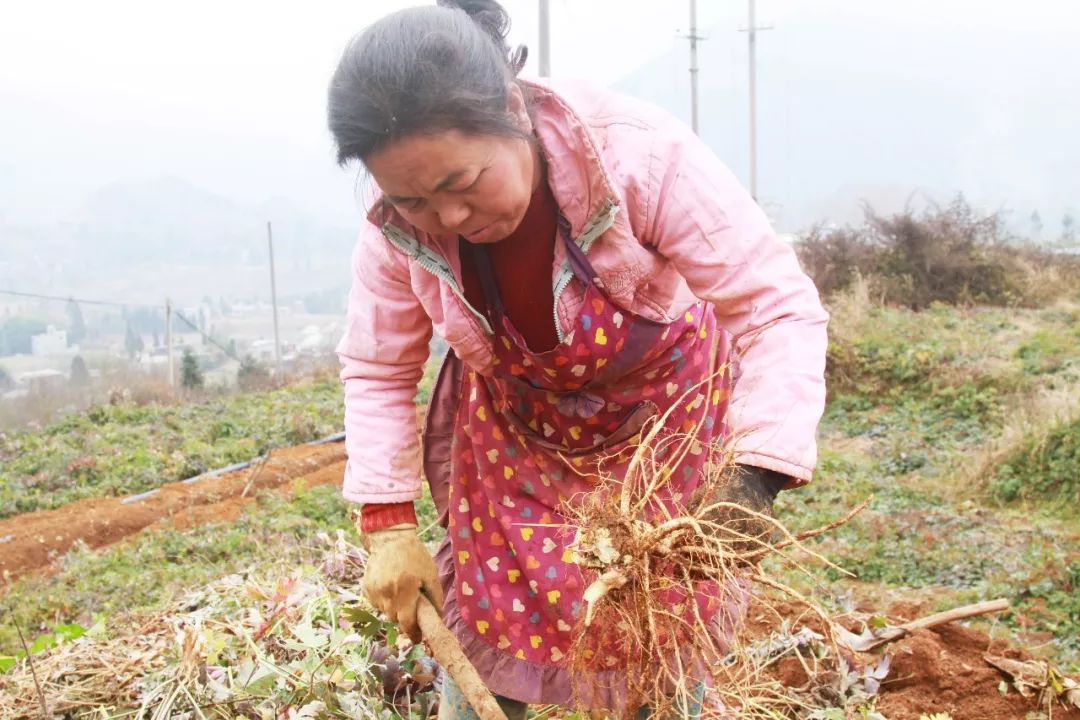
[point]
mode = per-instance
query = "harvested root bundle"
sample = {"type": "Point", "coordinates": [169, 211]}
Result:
{"type": "Point", "coordinates": [671, 579]}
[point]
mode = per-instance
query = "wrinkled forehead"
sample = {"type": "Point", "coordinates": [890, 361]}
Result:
{"type": "Point", "coordinates": [417, 165]}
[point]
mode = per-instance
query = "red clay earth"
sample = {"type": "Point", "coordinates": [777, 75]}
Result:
{"type": "Point", "coordinates": [940, 670]}
{"type": "Point", "coordinates": [39, 538]}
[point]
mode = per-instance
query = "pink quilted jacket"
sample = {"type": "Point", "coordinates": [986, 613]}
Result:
{"type": "Point", "coordinates": [664, 223]}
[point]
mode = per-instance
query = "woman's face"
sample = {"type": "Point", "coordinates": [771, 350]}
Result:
{"type": "Point", "coordinates": [477, 186]}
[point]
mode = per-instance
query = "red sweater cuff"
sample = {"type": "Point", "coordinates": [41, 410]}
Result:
{"type": "Point", "coordinates": [380, 516]}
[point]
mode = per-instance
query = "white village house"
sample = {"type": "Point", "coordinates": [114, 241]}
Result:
{"type": "Point", "coordinates": [50, 342]}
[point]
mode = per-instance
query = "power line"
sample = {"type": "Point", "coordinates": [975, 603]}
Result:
{"type": "Point", "coordinates": [110, 303]}
{"type": "Point", "coordinates": [205, 337]}
{"type": "Point", "coordinates": [83, 301]}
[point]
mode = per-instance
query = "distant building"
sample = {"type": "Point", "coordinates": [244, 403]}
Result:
{"type": "Point", "coordinates": [184, 338]}
{"type": "Point", "coordinates": [155, 358]}
{"type": "Point", "coordinates": [50, 342]}
{"type": "Point", "coordinates": [40, 381]}
{"type": "Point", "coordinates": [15, 308]}
{"type": "Point", "coordinates": [262, 350]}
{"type": "Point", "coordinates": [311, 340]}
{"type": "Point", "coordinates": [246, 309]}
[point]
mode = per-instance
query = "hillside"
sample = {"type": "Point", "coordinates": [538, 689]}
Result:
{"type": "Point", "coordinates": [959, 423]}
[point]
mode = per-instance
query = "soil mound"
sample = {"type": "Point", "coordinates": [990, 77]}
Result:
{"type": "Point", "coordinates": [34, 540]}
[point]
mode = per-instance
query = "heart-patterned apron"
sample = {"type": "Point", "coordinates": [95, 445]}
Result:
{"type": "Point", "coordinates": [528, 439]}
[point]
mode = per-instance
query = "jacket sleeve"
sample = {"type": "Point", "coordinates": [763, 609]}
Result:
{"type": "Point", "coordinates": [382, 356]}
{"type": "Point", "coordinates": [702, 220]}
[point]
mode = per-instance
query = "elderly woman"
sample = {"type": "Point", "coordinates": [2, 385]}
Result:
{"type": "Point", "coordinates": [590, 263]}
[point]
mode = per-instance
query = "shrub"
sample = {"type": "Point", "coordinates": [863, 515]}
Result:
{"type": "Point", "coordinates": [253, 375]}
{"type": "Point", "coordinates": [837, 258]}
{"type": "Point", "coordinates": [949, 254]}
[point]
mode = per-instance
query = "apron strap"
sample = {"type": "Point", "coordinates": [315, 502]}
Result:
{"type": "Point", "coordinates": [579, 264]}
{"type": "Point", "coordinates": [482, 262]}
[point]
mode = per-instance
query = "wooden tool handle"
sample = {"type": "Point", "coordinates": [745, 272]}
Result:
{"type": "Point", "coordinates": [448, 653]}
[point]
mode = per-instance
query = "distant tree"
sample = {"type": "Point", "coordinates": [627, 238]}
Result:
{"type": "Point", "coordinates": [1036, 226]}
{"type": "Point", "coordinates": [232, 347]}
{"type": "Point", "coordinates": [76, 327]}
{"type": "Point", "coordinates": [252, 375]}
{"type": "Point", "coordinates": [1068, 228]}
{"type": "Point", "coordinates": [80, 376]}
{"type": "Point", "coordinates": [133, 341]}
{"type": "Point", "coordinates": [191, 375]}
{"type": "Point", "coordinates": [5, 378]}
{"type": "Point", "coordinates": [15, 335]}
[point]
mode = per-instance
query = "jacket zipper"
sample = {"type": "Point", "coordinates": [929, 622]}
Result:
{"type": "Point", "coordinates": [597, 226]}
{"type": "Point", "coordinates": [436, 264]}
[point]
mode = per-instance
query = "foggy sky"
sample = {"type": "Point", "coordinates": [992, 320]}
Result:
{"type": "Point", "coordinates": [980, 97]}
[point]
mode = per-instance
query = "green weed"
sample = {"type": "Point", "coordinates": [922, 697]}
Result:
{"type": "Point", "coordinates": [122, 449]}
{"type": "Point", "coordinates": [1055, 346]}
{"type": "Point", "coordinates": [1047, 466]}
{"type": "Point", "coordinates": [160, 564]}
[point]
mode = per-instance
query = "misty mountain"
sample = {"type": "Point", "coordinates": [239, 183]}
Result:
{"type": "Point", "coordinates": [93, 204]}
{"type": "Point", "coordinates": [168, 219]}
{"type": "Point", "coordinates": [136, 241]}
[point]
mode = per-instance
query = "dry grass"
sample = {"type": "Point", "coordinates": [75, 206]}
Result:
{"type": "Point", "coordinates": [89, 673]}
{"type": "Point", "coordinates": [299, 645]}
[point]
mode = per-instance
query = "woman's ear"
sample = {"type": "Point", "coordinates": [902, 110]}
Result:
{"type": "Point", "coordinates": [517, 107]}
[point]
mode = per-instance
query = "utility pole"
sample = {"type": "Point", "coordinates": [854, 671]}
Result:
{"type": "Point", "coordinates": [753, 100]}
{"type": "Point", "coordinates": [752, 36]}
{"type": "Point", "coordinates": [693, 67]}
{"type": "Point", "coordinates": [693, 37]}
{"type": "Point", "coordinates": [168, 342]}
{"type": "Point", "coordinates": [273, 300]}
{"type": "Point", "coordinates": [545, 39]}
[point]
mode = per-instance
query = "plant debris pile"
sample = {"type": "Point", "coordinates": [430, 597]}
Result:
{"type": "Point", "coordinates": [303, 645]}
{"type": "Point", "coordinates": [294, 647]}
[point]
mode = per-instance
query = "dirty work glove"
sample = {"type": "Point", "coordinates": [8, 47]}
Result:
{"type": "Point", "coordinates": [398, 567]}
{"type": "Point", "coordinates": [753, 488]}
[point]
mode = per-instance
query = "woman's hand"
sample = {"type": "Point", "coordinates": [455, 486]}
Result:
{"type": "Point", "coordinates": [752, 488]}
{"type": "Point", "coordinates": [398, 568]}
